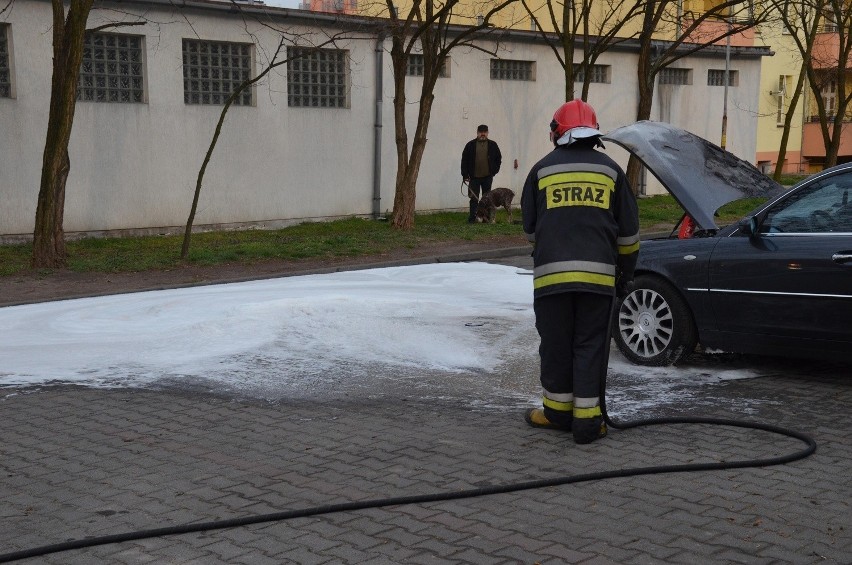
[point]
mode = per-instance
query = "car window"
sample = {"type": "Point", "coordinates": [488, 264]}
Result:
{"type": "Point", "coordinates": [821, 207]}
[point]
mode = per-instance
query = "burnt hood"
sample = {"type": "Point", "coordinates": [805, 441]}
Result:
{"type": "Point", "coordinates": [701, 176]}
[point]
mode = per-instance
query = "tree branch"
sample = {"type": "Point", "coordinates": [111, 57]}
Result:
{"type": "Point", "coordinates": [114, 25]}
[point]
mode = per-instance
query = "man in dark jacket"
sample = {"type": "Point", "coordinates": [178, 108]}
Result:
{"type": "Point", "coordinates": [580, 213]}
{"type": "Point", "coordinates": [480, 161]}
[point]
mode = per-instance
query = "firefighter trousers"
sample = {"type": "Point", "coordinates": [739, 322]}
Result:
{"type": "Point", "coordinates": [573, 327]}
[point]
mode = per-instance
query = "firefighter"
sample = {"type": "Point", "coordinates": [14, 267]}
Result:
{"type": "Point", "coordinates": [581, 215]}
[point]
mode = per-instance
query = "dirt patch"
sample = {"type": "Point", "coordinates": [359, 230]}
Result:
{"type": "Point", "coordinates": [62, 284]}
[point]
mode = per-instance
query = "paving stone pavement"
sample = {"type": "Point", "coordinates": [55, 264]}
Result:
{"type": "Point", "coordinates": [79, 462]}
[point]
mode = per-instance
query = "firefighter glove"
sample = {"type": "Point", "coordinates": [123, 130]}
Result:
{"type": "Point", "coordinates": [623, 287]}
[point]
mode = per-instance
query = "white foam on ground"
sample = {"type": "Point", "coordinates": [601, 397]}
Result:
{"type": "Point", "coordinates": [300, 332]}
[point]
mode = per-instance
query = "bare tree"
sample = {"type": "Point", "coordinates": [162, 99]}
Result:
{"type": "Point", "coordinates": [802, 22]}
{"type": "Point", "coordinates": [828, 72]}
{"type": "Point", "coordinates": [275, 59]}
{"type": "Point", "coordinates": [693, 32]}
{"type": "Point", "coordinates": [69, 31]}
{"type": "Point", "coordinates": [247, 83]}
{"type": "Point", "coordinates": [595, 25]}
{"type": "Point", "coordinates": [426, 26]}
{"type": "Point", "coordinates": [68, 35]}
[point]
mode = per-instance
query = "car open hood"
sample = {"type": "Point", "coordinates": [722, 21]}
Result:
{"type": "Point", "coordinates": [701, 176]}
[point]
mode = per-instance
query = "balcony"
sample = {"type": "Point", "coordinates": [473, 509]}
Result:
{"type": "Point", "coordinates": [825, 50]}
{"type": "Point", "coordinates": [716, 27]}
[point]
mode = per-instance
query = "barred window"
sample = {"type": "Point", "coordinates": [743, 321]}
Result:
{"type": "Point", "coordinates": [716, 77]}
{"type": "Point", "coordinates": [780, 98]}
{"type": "Point", "coordinates": [597, 73]}
{"type": "Point", "coordinates": [317, 78]}
{"type": "Point", "coordinates": [415, 66]}
{"type": "Point", "coordinates": [507, 69]}
{"type": "Point", "coordinates": [112, 68]}
{"type": "Point", "coordinates": [5, 68]}
{"type": "Point", "coordinates": [674, 76]}
{"type": "Point", "coordinates": [212, 70]}
{"type": "Point", "coordinates": [829, 24]}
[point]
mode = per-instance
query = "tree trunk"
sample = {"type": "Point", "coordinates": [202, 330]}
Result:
{"type": "Point", "coordinates": [643, 112]}
{"type": "Point", "coordinates": [68, 36]}
{"type": "Point", "coordinates": [403, 200]}
{"type": "Point", "coordinates": [406, 177]}
{"type": "Point", "coordinates": [833, 148]}
{"type": "Point", "coordinates": [645, 74]}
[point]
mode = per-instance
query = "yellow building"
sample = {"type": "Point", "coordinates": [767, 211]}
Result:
{"type": "Point", "coordinates": [779, 75]}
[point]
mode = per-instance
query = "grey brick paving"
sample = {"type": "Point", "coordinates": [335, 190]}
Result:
{"type": "Point", "coordinates": [77, 462]}
{"type": "Point", "coordinates": [59, 483]}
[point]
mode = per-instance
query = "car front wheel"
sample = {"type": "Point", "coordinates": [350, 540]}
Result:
{"type": "Point", "coordinates": [653, 324]}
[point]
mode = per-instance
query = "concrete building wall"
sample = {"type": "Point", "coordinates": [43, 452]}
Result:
{"type": "Point", "coordinates": [134, 166]}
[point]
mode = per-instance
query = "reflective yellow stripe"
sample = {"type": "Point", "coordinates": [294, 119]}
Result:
{"type": "Point", "coordinates": [628, 249]}
{"type": "Point", "coordinates": [587, 412]}
{"type": "Point", "coordinates": [556, 405]}
{"type": "Point", "coordinates": [574, 277]}
{"type": "Point", "coordinates": [582, 176]}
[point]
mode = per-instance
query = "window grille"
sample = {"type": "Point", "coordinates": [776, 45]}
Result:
{"type": "Point", "coordinates": [780, 97]}
{"type": "Point", "coordinates": [5, 69]}
{"type": "Point", "coordinates": [674, 76]}
{"type": "Point", "coordinates": [716, 77]}
{"type": "Point", "coordinates": [415, 66]}
{"type": "Point", "coordinates": [829, 24]}
{"type": "Point", "coordinates": [598, 73]}
{"type": "Point", "coordinates": [506, 69]}
{"type": "Point", "coordinates": [829, 97]}
{"type": "Point", "coordinates": [213, 70]}
{"type": "Point", "coordinates": [317, 78]}
{"type": "Point", "coordinates": [112, 69]}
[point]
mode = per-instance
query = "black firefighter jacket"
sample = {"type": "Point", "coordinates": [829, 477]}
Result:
{"type": "Point", "coordinates": [580, 213]}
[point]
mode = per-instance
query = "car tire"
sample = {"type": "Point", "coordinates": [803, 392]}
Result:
{"type": "Point", "coordinates": [653, 325]}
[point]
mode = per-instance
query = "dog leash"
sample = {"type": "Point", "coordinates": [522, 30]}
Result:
{"type": "Point", "coordinates": [469, 193]}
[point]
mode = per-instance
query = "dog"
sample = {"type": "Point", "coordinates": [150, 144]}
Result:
{"type": "Point", "coordinates": [486, 210]}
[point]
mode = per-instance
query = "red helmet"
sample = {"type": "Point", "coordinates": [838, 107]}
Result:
{"type": "Point", "coordinates": [574, 114]}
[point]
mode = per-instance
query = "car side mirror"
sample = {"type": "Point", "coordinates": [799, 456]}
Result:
{"type": "Point", "coordinates": [748, 226]}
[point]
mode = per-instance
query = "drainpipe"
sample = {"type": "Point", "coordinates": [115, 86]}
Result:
{"type": "Point", "coordinates": [377, 128]}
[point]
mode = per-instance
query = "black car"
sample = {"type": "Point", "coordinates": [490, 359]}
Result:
{"type": "Point", "coordinates": [778, 282]}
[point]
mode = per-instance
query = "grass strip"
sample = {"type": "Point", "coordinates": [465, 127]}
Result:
{"type": "Point", "coordinates": [350, 237]}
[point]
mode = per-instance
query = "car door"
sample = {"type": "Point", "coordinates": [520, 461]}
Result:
{"type": "Point", "coordinates": [793, 277]}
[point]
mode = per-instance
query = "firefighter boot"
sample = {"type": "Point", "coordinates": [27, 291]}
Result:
{"type": "Point", "coordinates": [535, 417]}
{"type": "Point", "coordinates": [587, 430]}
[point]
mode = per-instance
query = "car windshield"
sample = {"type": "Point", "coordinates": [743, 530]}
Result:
{"type": "Point", "coordinates": [824, 206]}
